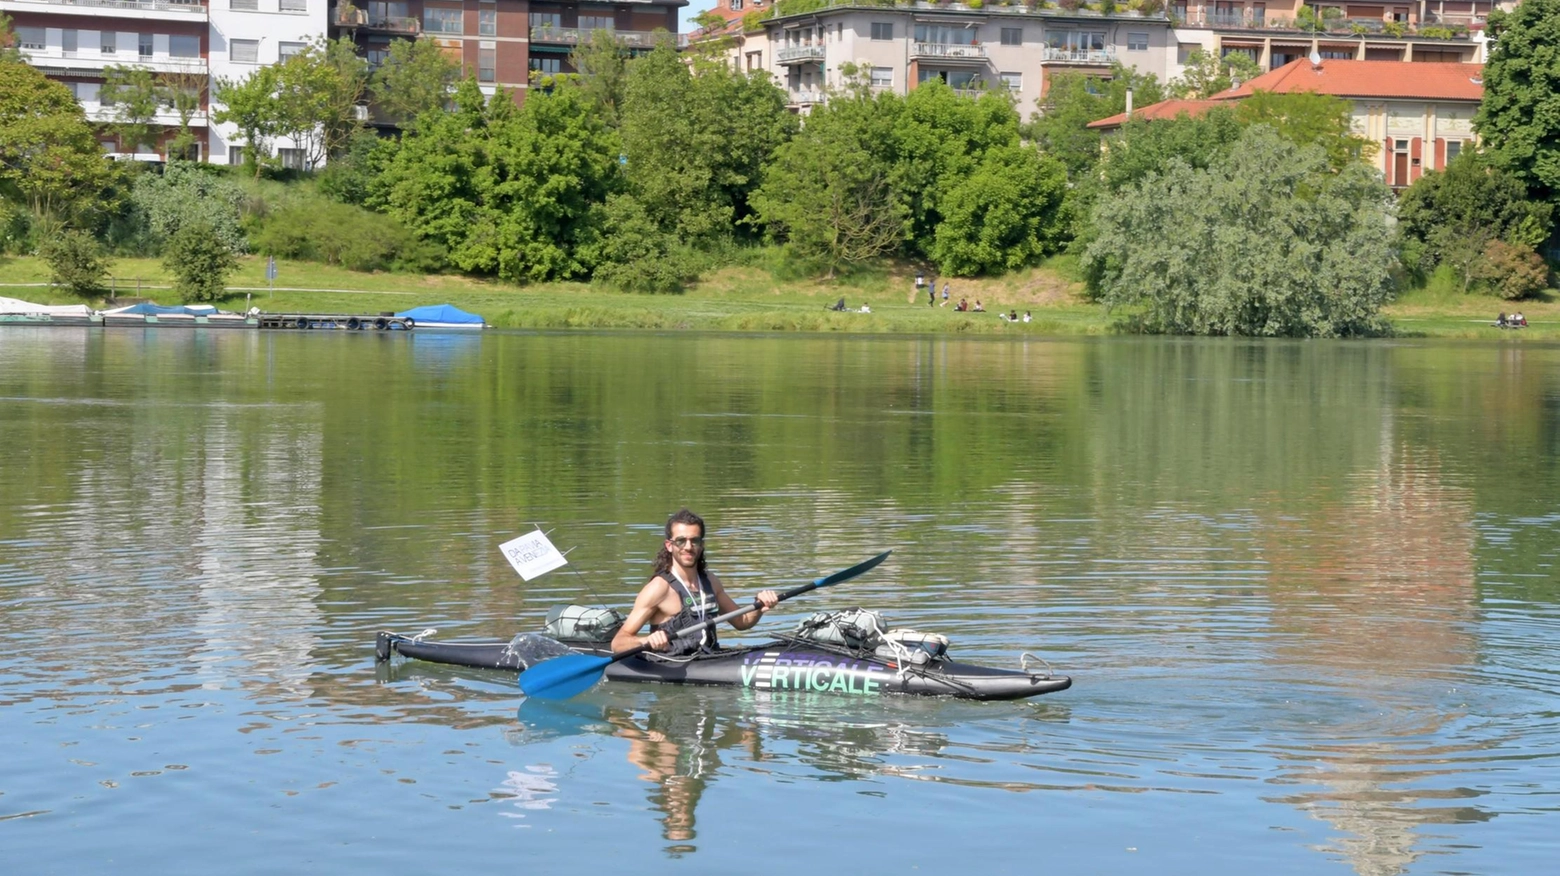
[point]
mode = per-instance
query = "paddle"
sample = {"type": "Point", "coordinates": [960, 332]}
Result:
{"type": "Point", "coordinates": [571, 674]}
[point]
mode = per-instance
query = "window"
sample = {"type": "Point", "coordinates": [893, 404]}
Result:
{"type": "Point", "coordinates": [1137, 42]}
{"type": "Point", "coordinates": [286, 50]}
{"type": "Point", "coordinates": [108, 42]}
{"type": "Point", "coordinates": [597, 22]}
{"type": "Point", "coordinates": [547, 19]}
{"type": "Point", "coordinates": [437, 19]}
{"type": "Point", "coordinates": [1076, 40]}
{"type": "Point", "coordinates": [292, 159]}
{"type": "Point", "coordinates": [295, 6]}
{"type": "Point", "coordinates": [1453, 149]}
{"type": "Point", "coordinates": [244, 5]}
{"type": "Point", "coordinates": [31, 37]}
{"type": "Point", "coordinates": [68, 43]}
{"type": "Point", "coordinates": [144, 45]}
{"type": "Point", "coordinates": [184, 46]}
{"type": "Point", "coordinates": [736, 5]}
{"type": "Point", "coordinates": [244, 51]}
{"type": "Point", "coordinates": [1012, 36]}
{"type": "Point", "coordinates": [546, 65]}
{"type": "Point", "coordinates": [487, 19]}
{"type": "Point", "coordinates": [882, 30]}
{"type": "Point", "coordinates": [945, 35]}
{"type": "Point", "coordinates": [882, 77]}
{"type": "Point", "coordinates": [487, 62]}
{"type": "Point", "coordinates": [377, 57]}
{"type": "Point", "coordinates": [235, 155]}
{"type": "Point", "coordinates": [1013, 82]}
{"type": "Point", "coordinates": [86, 92]}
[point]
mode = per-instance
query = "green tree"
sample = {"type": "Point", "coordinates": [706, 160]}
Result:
{"type": "Point", "coordinates": [136, 97]}
{"type": "Point", "coordinates": [185, 92]}
{"type": "Point", "coordinates": [505, 191]}
{"type": "Point", "coordinates": [1519, 117]}
{"type": "Point", "coordinates": [75, 261]}
{"type": "Point", "coordinates": [318, 92]}
{"type": "Point", "coordinates": [697, 139]}
{"type": "Point", "coordinates": [1207, 74]}
{"type": "Point", "coordinates": [200, 263]}
{"type": "Point", "coordinates": [602, 61]}
{"type": "Point", "coordinates": [417, 76]}
{"type": "Point", "coordinates": [1307, 118]}
{"type": "Point", "coordinates": [827, 196]}
{"type": "Point", "coordinates": [184, 193]}
{"type": "Point", "coordinates": [1145, 146]}
{"type": "Point", "coordinates": [1004, 216]}
{"type": "Point", "coordinates": [1512, 271]}
{"type": "Point", "coordinates": [1269, 241]}
{"type": "Point", "coordinates": [1073, 100]}
{"type": "Point", "coordinates": [634, 254]}
{"type": "Point", "coordinates": [250, 104]}
{"type": "Point", "coordinates": [1450, 217]}
{"type": "Point", "coordinates": [49, 156]}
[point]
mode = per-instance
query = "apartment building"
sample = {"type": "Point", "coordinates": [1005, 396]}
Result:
{"type": "Point", "coordinates": [1276, 32]}
{"type": "Point", "coordinates": [190, 42]}
{"type": "Point", "coordinates": [503, 42]}
{"type": "Point", "coordinates": [1013, 48]}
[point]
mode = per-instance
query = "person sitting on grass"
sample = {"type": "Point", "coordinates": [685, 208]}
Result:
{"type": "Point", "coordinates": [979, 308]}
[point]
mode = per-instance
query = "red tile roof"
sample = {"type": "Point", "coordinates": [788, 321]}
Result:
{"type": "Point", "coordinates": [1165, 109]}
{"type": "Point", "coordinates": [1370, 79]}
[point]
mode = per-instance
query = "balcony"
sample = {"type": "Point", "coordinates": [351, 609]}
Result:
{"type": "Point", "coordinates": [799, 54]}
{"type": "Point", "coordinates": [949, 52]}
{"type": "Point", "coordinates": [142, 9]}
{"type": "Point", "coordinates": [77, 63]}
{"type": "Point", "coordinates": [105, 114]}
{"type": "Point", "coordinates": [1065, 55]}
{"type": "Point", "coordinates": [347, 16]}
{"type": "Point", "coordinates": [803, 98]}
{"type": "Point", "coordinates": [573, 36]}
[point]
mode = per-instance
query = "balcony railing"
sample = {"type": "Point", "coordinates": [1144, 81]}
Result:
{"type": "Point", "coordinates": [1333, 27]}
{"type": "Point", "coordinates": [798, 54]}
{"type": "Point", "coordinates": [573, 36]}
{"type": "Point", "coordinates": [347, 16]}
{"type": "Point", "coordinates": [190, 8]}
{"type": "Point", "coordinates": [948, 51]}
{"type": "Point", "coordinates": [1064, 55]}
{"type": "Point", "coordinates": [96, 61]}
{"type": "Point", "coordinates": [803, 97]}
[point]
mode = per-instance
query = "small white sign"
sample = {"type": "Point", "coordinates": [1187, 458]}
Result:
{"type": "Point", "coordinates": [532, 555]}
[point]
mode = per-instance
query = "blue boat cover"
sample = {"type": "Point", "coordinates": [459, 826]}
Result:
{"type": "Point", "coordinates": [149, 309]}
{"type": "Point", "coordinates": [442, 313]}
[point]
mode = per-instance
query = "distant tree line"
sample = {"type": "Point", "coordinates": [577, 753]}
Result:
{"type": "Point", "coordinates": [642, 172]}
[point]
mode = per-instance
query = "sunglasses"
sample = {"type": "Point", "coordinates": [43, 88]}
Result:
{"type": "Point", "coordinates": [684, 541]}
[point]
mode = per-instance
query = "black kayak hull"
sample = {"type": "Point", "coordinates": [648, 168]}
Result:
{"type": "Point", "coordinates": [775, 666]}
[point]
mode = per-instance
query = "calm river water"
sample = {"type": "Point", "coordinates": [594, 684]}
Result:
{"type": "Point", "coordinates": [1307, 592]}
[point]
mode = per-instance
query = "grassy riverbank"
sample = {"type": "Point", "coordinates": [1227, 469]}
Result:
{"type": "Point", "coordinates": [735, 299]}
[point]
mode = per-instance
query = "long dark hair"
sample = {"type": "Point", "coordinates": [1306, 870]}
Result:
{"type": "Point", "coordinates": [663, 557]}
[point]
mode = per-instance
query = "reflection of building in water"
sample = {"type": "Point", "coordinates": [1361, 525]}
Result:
{"type": "Point", "coordinates": [1373, 593]}
{"type": "Point", "coordinates": [255, 539]}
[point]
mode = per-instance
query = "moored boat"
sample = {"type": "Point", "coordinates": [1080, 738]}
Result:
{"type": "Point", "coordinates": [16, 312]}
{"type": "Point", "coordinates": [785, 664]}
{"type": "Point", "coordinates": [443, 317]}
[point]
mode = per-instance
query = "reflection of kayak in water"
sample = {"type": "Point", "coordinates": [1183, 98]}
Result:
{"type": "Point", "coordinates": [781, 665]}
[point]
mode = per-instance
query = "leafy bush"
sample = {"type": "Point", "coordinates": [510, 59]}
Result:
{"type": "Point", "coordinates": [1512, 270]}
{"type": "Point", "coordinates": [199, 260]}
{"type": "Point", "coordinates": [341, 234]}
{"type": "Point", "coordinates": [634, 254]}
{"type": "Point", "coordinates": [189, 193]}
{"type": "Point", "coordinates": [75, 261]}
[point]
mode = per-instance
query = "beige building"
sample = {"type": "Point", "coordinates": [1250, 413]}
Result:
{"type": "Point", "coordinates": [994, 47]}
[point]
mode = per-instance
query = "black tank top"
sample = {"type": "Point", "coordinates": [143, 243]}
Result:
{"type": "Point", "coordinates": [694, 610]}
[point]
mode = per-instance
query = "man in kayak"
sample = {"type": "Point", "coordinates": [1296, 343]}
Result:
{"type": "Point", "coordinates": [682, 593]}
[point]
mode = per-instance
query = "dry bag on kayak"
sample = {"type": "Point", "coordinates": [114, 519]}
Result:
{"type": "Point", "coordinates": [576, 623]}
{"type": "Point", "coordinates": [850, 628]}
{"type": "Point", "coordinates": [912, 646]}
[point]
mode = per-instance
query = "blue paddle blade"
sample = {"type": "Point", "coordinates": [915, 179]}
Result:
{"type": "Point", "coordinates": [563, 677]}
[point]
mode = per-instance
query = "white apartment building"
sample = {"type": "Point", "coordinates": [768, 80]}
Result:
{"type": "Point", "coordinates": [75, 41]}
{"type": "Point", "coordinates": [972, 50]}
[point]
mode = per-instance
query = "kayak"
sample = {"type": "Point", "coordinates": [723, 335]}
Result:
{"type": "Point", "coordinates": [787, 664]}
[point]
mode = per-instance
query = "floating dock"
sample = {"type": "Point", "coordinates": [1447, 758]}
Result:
{"type": "Point", "coordinates": [346, 322]}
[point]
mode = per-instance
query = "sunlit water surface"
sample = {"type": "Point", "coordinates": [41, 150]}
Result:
{"type": "Point", "coordinates": [1307, 593]}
